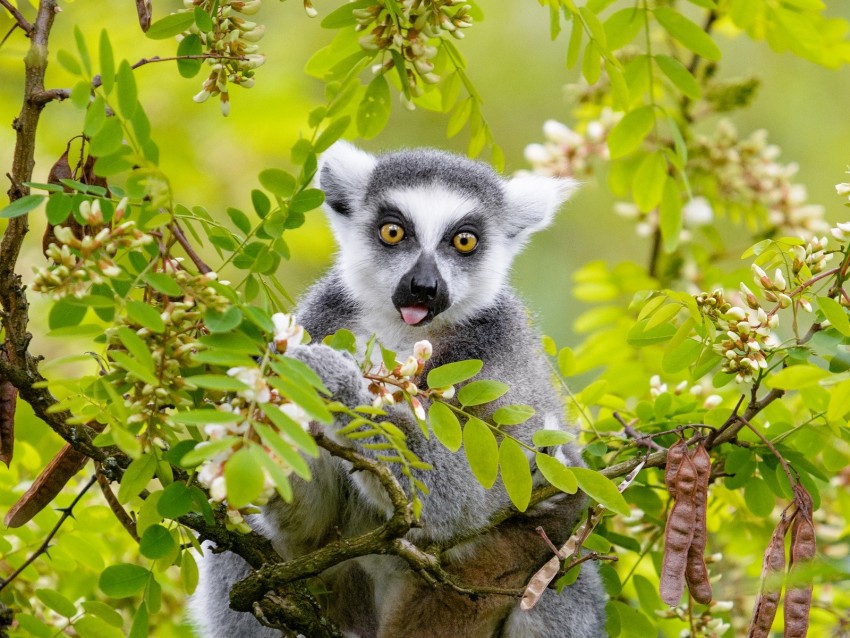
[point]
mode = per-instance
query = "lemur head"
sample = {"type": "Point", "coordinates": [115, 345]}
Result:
{"type": "Point", "coordinates": [428, 236]}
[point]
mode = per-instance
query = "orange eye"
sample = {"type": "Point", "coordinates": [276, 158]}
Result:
{"type": "Point", "coordinates": [465, 242]}
{"type": "Point", "coordinates": [392, 233]}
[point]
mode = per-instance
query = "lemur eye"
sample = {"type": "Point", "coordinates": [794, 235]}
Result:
{"type": "Point", "coordinates": [392, 234]}
{"type": "Point", "coordinates": [465, 242]}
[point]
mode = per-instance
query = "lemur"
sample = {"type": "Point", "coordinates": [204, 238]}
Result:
{"type": "Point", "coordinates": [426, 240]}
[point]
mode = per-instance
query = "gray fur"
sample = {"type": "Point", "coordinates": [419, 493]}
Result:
{"type": "Point", "coordinates": [379, 596]}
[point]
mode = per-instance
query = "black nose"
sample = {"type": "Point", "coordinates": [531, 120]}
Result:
{"type": "Point", "coordinates": [425, 285]}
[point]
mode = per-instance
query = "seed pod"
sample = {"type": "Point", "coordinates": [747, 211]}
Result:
{"type": "Point", "coordinates": [679, 533]}
{"type": "Point", "coordinates": [8, 401]}
{"type": "Point", "coordinates": [768, 600]}
{"type": "Point", "coordinates": [696, 572]}
{"type": "Point", "coordinates": [45, 488]}
{"type": "Point", "coordinates": [798, 600]}
{"type": "Point", "coordinates": [675, 454]}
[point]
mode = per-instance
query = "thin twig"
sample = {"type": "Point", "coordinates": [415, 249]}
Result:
{"type": "Point", "coordinates": [792, 479]}
{"type": "Point", "coordinates": [120, 513]}
{"type": "Point", "coordinates": [642, 440]}
{"type": "Point", "coordinates": [67, 512]}
{"type": "Point", "coordinates": [19, 18]}
{"type": "Point", "coordinates": [190, 251]}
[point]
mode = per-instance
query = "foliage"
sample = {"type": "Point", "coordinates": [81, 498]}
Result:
{"type": "Point", "coordinates": [183, 404]}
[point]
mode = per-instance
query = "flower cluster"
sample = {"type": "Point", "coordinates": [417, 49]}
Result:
{"type": "Point", "coordinates": [171, 348]}
{"type": "Point", "coordinates": [79, 262]}
{"type": "Point", "coordinates": [657, 388]}
{"type": "Point", "coordinates": [408, 36]}
{"type": "Point", "coordinates": [403, 378]}
{"type": "Point", "coordinates": [567, 153]}
{"type": "Point", "coordinates": [745, 173]}
{"type": "Point", "coordinates": [248, 407]}
{"type": "Point", "coordinates": [706, 624]}
{"type": "Point", "coordinates": [748, 337]}
{"type": "Point", "coordinates": [231, 44]}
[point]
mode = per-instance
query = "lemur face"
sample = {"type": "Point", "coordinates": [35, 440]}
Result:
{"type": "Point", "coordinates": [426, 236]}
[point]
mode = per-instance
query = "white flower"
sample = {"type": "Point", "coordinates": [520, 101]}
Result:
{"type": "Point", "coordinates": [257, 389]}
{"type": "Point", "coordinates": [698, 212]}
{"type": "Point", "coordinates": [842, 189]}
{"type": "Point", "coordinates": [712, 401]}
{"type": "Point", "coordinates": [447, 392]}
{"type": "Point", "coordinates": [422, 350]}
{"type": "Point", "coordinates": [409, 367]}
{"type": "Point", "coordinates": [218, 489]}
{"type": "Point", "coordinates": [297, 414]}
{"type": "Point", "coordinates": [287, 331]}
{"type": "Point", "coordinates": [418, 410]}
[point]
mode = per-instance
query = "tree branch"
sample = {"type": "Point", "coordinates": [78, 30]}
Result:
{"type": "Point", "coordinates": [66, 513]}
{"type": "Point", "coordinates": [19, 17]}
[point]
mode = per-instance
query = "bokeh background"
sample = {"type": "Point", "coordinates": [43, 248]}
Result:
{"type": "Point", "coordinates": [521, 74]}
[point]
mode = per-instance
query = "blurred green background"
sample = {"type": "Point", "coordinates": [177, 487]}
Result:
{"type": "Point", "coordinates": [520, 72]}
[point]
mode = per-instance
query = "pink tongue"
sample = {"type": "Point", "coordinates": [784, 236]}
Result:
{"type": "Point", "coordinates": [413, 314]}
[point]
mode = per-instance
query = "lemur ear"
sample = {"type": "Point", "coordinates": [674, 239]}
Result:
{"type": "Point", "coordinates": [533, 200]}
{"type": "Point", "coordinates": [343, 174]}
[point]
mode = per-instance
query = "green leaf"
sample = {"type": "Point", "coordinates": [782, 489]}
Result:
{"type": "Point", "coordinates": [22, 206]}
{"type": "Point", "coordinates": [206, 451]}
{"type": "Point", "coordinates": [80, 94]}
{"type": "Point", "coordinates": [549, 438]}
{"type": "Point", "coordinates": [123, 580]}
{"type": "Point", "coordinates": [758, 496]}
{"type": "Point", "coordinates": [670, 215]}
{"type": "Point", "coordinates": [222, 321]}
{"type": "Point", "coordinates": [203, 20]}
{"type": "Point", "coordinates": [176, 500]}
{"type": "Point", "coordinates": [170, 25]}
{"type": "Point", "coordinates": [836, 314]}
{"type": "Point", "coordinates": [145, 315]}
{"type": "Point", "coordinates": [57, 602]}
{"type": "Point", "coordinates": [623, 25]}
{"type": "Point", "coordinates": [261, 203]}
{"type": "Point", "coordinates": [452, 373]}
{"type": "Point", "coordinates": [459, 117]}
{"type": "Point", "coordinates": [648, 182]}
{"type": "Point", "coordinates": [640, 336]}
{"type": "Point", "coordinates": [107, 63]}
{"type": "Point", "coordinates": [278, 475]}
{"type": "Point", "coordinates": [190, 45]}
{"type": "Point", "coordinates": [629, 132]}
{"type": "Point", "coordinates": [83, 50]}
{"type": "Point", "coordinates": [163, 283]}
{"type": "Point", "coordinates": [556, 472]}
{"type": "Point", "coordinates": [243, 477]}
{"type": "Point", "coordinates": [597, 31]}
{"type": "Point", "coordinates": [374, 110]}
{"type": "Point", "coordinates": [136, 346]}
{"type": "Point", "coordinates": [136, 477]}
{"type": "Point", "coordinates": [796, 377]}
{"type": "Point", "coordinates": [291, 429]}
{"type": "Point", "coordinates": [307, 200]}
{"type": "Point", "coordinates": [306, 397]}
{"type": "Point", "coordinates": [516, 474]}
{"type": "Point", "coordinates": [108, 139]}
{"type": "Point", "coordinates": [482, 451]}
{"type": "Point", "coordinates": [343, 16]}
{"type": "Point", "coordinates": [188, 572]}
{"type": "Point", "coordinates": [574, 47]}
{"type": "Point", "coordinates": [678, 358]}
{"type": "Point", "coordinates": [513, 414]}
{"type": "Point", "coordinates": [445, 426]}
{"type": "Point", "coordinates": [68, 61]}
{"type": "Point", "coordinates": [284, 448]}
{"type": "Point", "coordinates": [839, 401]}
{"type": "Point", "coordinates": [128, 95]}
{"type": "Point", "coordinates": [478, 392]}
{"type": "Point", "coordinates": [216, 382]}
{"type": "Point", "coordinates": [342, 339]}
{"type": "Point", "coordinates": [131, 365]}
{"type": "Point", "coordinates": [204, 417]}
{"type": "Point", "coordinates": [57, 209]}
{"type": "Point", "coordinates": [278, 182]}
{"type": "Point", "coordinates": [156, 542]}
{"type": "Point", "coordinates": [139, 628]}
{"type": "Point", "coordinates": [679, 76]}
{"type": "Point", "coordinates": [601, 490]}
{"type": "Point", "coordinates": [688, 33]}
{"type": "Point", "coordinates": [93, 627]}
{"type": "Point", "coordinates": [104, 612]}
{"type": "Point", "coordinates": [333, 132]}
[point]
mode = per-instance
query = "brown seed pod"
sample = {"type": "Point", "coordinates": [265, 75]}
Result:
{"type": "Point", "coordinates": [798, 600]}
{"type": "Point", "coordinates": [45, 488]}
{"type": "Point", "coordinates": [8, 402]}
{"type": "Point", "coordinates": [675, 454]}
{"type": "Point", "coordinates": [768, 599]}
{"type": "Point", "coordinates": [679, 533]}
{"type": "Point", "coordinates": [696, 572]}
